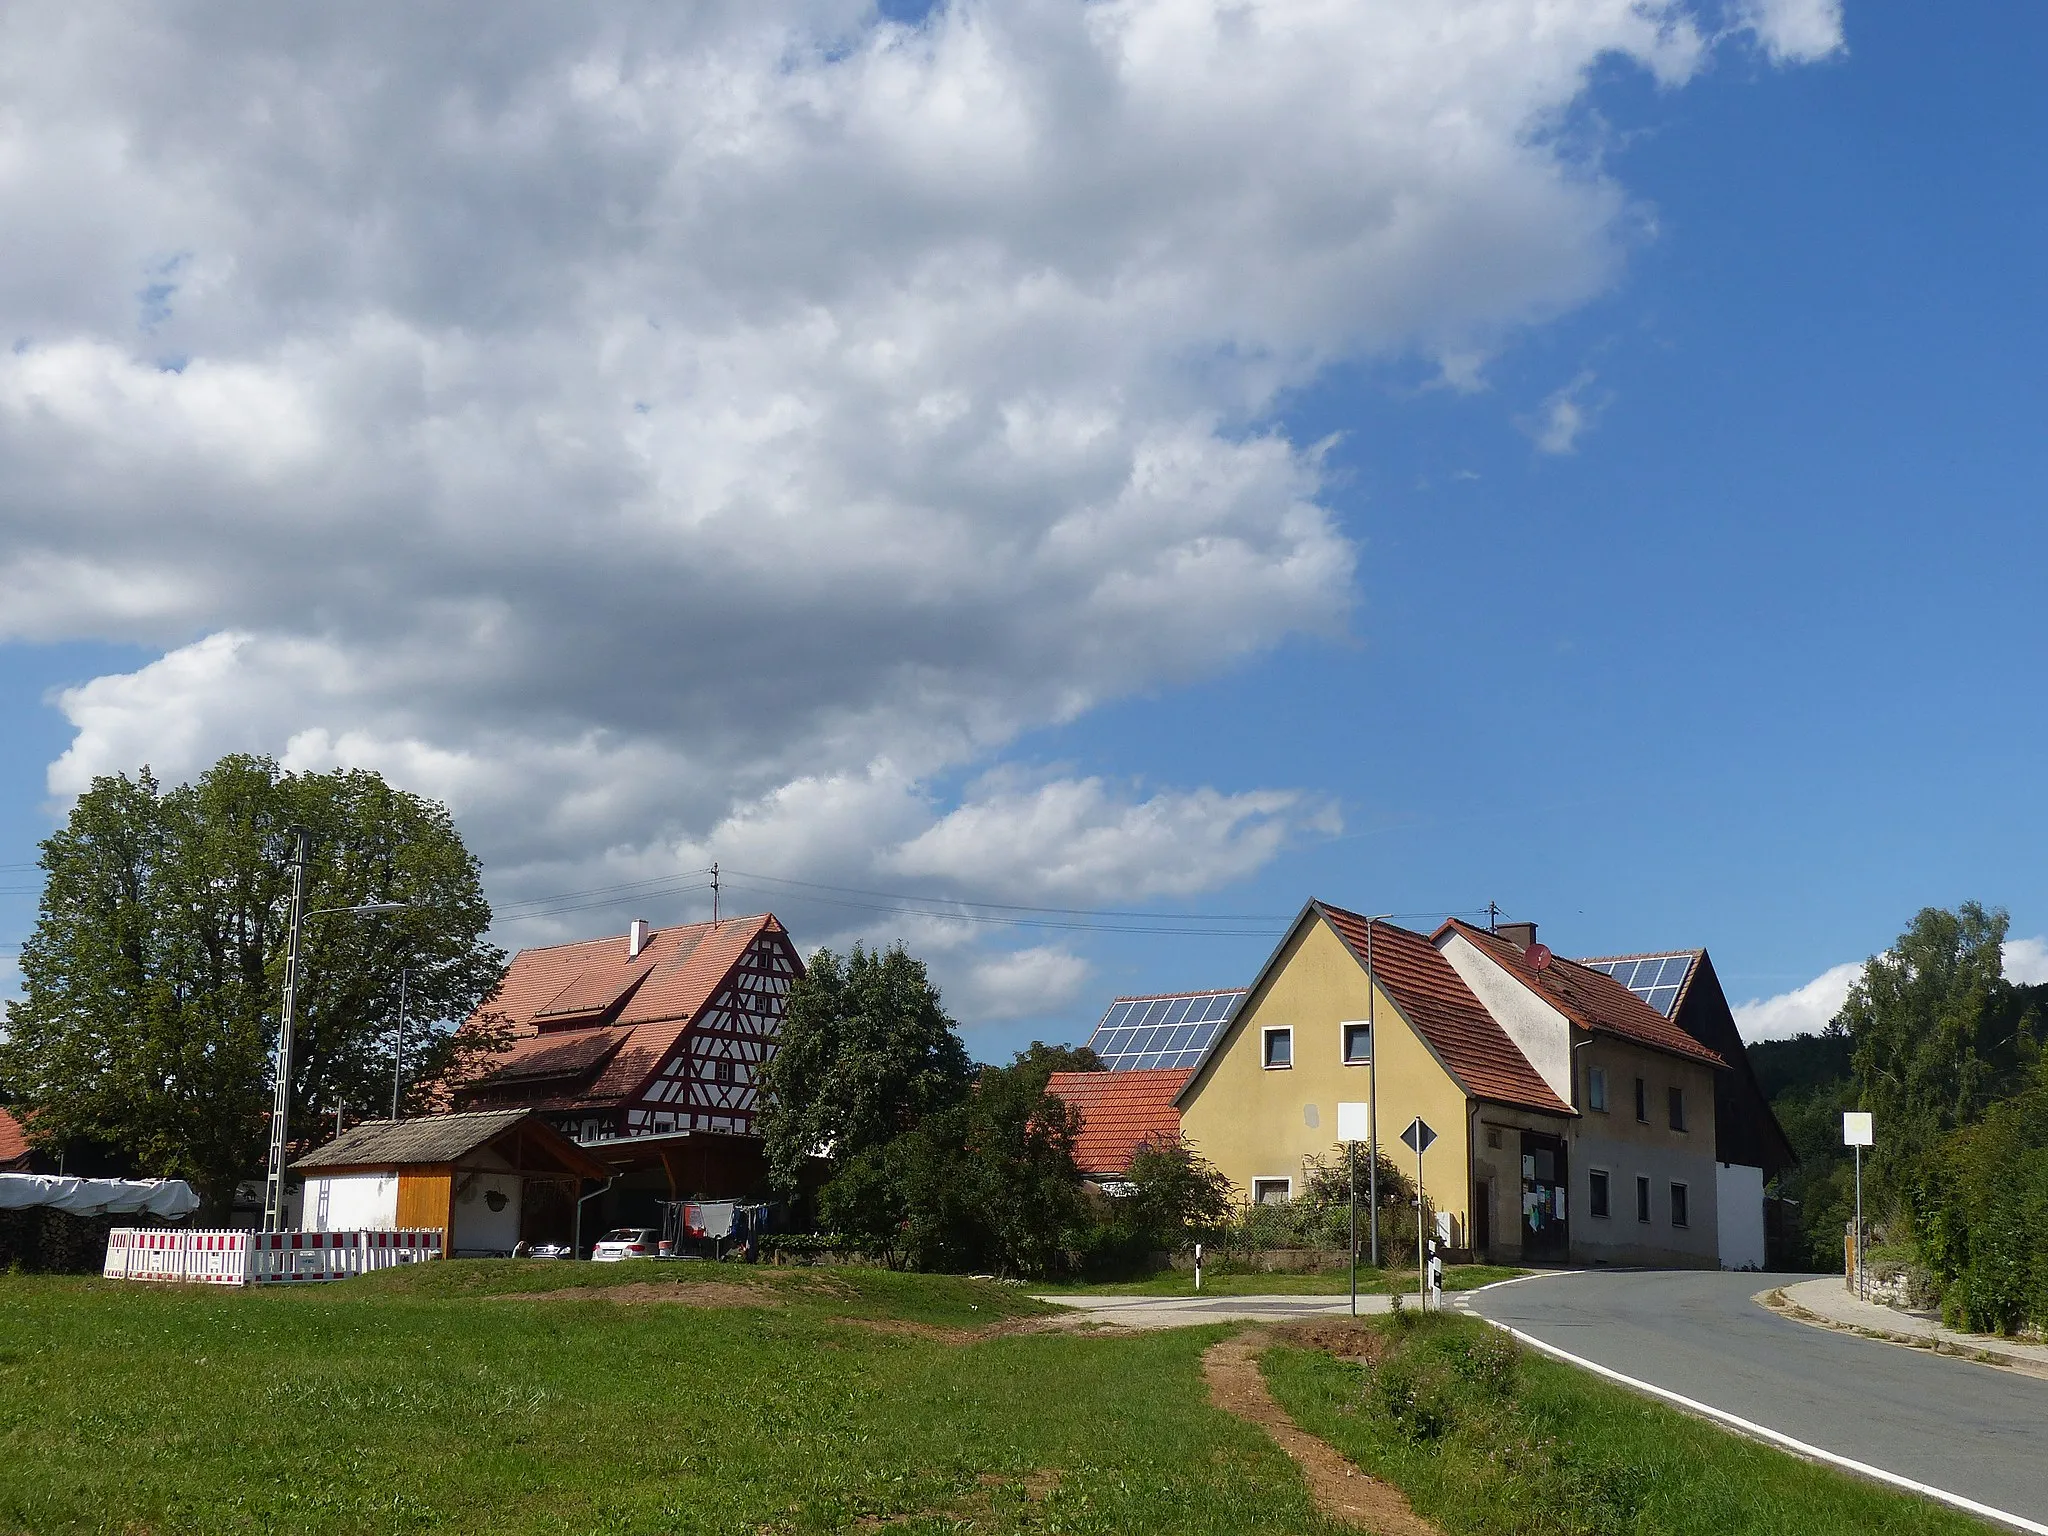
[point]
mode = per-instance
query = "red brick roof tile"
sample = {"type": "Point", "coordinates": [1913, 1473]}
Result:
{"type": "Point", "coordinates": [1120, 1111]}
{"type": "Point", "coordinates": [1591, 999]}
{"type": "Point", "coordinates": [13, 1141]}
{"type": "Point", "coordinates": [1435, 999]}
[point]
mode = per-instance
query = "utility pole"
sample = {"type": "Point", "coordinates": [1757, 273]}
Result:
{"type": "Point", "coordinates": [281, 1103]}
{"type": "Point", "coordinates": [398, 1050]}
{"type": "Point", "coordinates": [714, 893]}
{"type": "Point", "coordinates": [1372, 1098]}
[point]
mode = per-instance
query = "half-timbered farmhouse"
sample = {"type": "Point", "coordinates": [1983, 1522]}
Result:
{"type": "Point", "coordinates": [645, 1049]}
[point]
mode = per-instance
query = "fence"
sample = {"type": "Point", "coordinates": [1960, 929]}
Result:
{"type": "Point", "coordinates": [260, 1258]}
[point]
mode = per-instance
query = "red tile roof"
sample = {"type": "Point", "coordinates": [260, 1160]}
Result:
{"type": "Point", "coordinates": [1591, 999]}
{"type": "Point", "coordinates": [1120, 1111]}
{"type": "Point", "coordinates": [13, 1141]}
{"type": "Point", "coordinates": [644, 1003]}
{"type": "Point", "coordinates": [1435, 999]}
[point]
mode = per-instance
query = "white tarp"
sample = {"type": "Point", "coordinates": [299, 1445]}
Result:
{"type": "Point", "coordinates": [97, 1197]}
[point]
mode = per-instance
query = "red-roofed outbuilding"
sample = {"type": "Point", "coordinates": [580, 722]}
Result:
{"type": "Point", "coordinates": [1120, 1112]}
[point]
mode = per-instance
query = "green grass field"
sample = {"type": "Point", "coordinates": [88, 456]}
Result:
{"type": "Point", "coordinates": [1489, 1440]}
{"type": "Point", "coordinates": [433, 1399]}
{"type": "Point", "coordinates": [460, 1397]}
{"type": "Point", "coordinates": [1371, 1282]}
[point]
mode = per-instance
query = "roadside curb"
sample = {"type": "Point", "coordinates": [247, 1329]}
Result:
{"type": "Point", "coordinates": [1776, 1302]}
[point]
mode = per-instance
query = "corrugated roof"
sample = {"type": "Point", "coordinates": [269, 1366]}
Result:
{"type": "Point", "coordinates": [429, 1139]}
{"type": "Point", "coordinates": [1435, 999]}
{"type": "Point", "coordinates": [652, 999]}
{"type": "Point", "coordinates": [1591, 999]}
{"type": "Point", "coordinates": [1120, 1111]}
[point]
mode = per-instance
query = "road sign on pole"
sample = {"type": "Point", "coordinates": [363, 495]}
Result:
{"type": "Point", "coordinates": [1417, 1138]}
{"type": "Point", "coordinates": [1354, 1124]}
{"type": "Point", "coordinates": [1857, 1133]}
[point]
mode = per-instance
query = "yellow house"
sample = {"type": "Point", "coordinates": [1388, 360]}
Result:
{"type": "Point", "coordinates": [1573, 1121]}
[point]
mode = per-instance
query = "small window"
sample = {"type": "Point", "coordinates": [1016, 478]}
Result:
{"type": "Point", "coordinates": [1599, 1192]}
{"type": "Point", "coordinates": [1677, 1101]}
{"type": "Point", "coordinates": [1357, 1043]}
{"type": "Point", "coordinates": [1596, 1089]}
{"type": "Point", "coordinates": [1493, 1138]}
{"type": "Point", "coordinates": [1642, 1198]}
{"type": "Point", "coordinates": [1679, 1213]}
{"type": "Point", "coordinates": [1643, 1100]}
{"type": "Point", "coordinates": [1279, 1048]}
{"type": "Point", "coordinates": [724, 1070]}
{"type": "Point", "coordinates": [1271, 1191]}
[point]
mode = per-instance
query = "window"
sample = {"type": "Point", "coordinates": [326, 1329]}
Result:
{"type": "Point", "coordinates": [1678, 1206]}
{"type": "Point", "coordinates": [1642, 1198]}
{"type": "Point", "coordinates": [1596, 1089]}
{"type": "Point", "coordinates": [1358, 1043]}
{"type": "Point", "coordinates": [1643, 1100]}
{"type": "Point", "coordinates": [1279, 1047]}
{"type": "Point", "coordinates": [1493, 1138]}
{"type": "Point", "coordinates": [1677, 1101]}
{"type": "Point", "coordinates": [724, 1070]}
{"type": "Point", "coordinates": [1271, 1191]}
{"type": "Point", "coordinates": [1599, 1201]}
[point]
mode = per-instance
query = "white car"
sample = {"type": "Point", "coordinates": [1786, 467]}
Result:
{"type": "Point", "coordinates": [625, 1243]}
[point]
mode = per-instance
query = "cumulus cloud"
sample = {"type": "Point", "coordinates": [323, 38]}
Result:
{"type": "Point", "coordinates": [1566, 414]}
{"type": "Point", "coordinates": [2026, 961]}
{"type": "Point", "coordinates": [1794, 31]}
{"type": "Point", "coordinates": [1802, 1011]}
{"type": "Point", "coordinates": [651, 428]}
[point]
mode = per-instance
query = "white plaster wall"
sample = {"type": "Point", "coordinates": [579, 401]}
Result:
{"type": "Point", "coordinates": [1739, 1212]}
{"type": "Point", "coordinates": [1539, 1031]}
{"type": "Point", "coordinates": [351, 1202]}
{"type": "Point", "coordinates": [479, 1228]}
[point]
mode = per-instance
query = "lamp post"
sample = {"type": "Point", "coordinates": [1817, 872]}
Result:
{"type": "Point", "coordinates": [280, 1108]}
{"type": "Point", "coordinates": [1372, 1093]}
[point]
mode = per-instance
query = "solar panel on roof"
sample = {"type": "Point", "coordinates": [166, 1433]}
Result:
{"type": "Point", "coordinates": [1656, 979]}
{"type": "Point", "coordinates": [1144, 1034]}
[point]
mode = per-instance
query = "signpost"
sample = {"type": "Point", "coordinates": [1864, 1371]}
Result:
{"type": "Point", "coordinates": [1856, 1132]}
{"type": "Point", "coordinates": [1354, 1124]}
{"type": "Point", "coordinates": [1417, 1139]}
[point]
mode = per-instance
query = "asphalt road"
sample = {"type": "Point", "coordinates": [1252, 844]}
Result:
{"type": "Point", "coordinates": [1967, 1429]}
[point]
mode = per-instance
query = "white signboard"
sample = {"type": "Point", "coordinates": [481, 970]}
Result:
{"type": "Point", "coordinates": [1354, 1122]}
{"type": "Point", "coordinates": [1856, 1128]}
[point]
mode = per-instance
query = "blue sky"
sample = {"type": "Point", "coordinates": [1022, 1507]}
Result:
{"type": "Point", "coordinates": [1702, 609]}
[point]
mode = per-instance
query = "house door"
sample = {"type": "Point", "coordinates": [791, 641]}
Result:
{"type": "Point", "coordinates": [1482, 1219]}
{"type": "Point", "coordinates": [1545, 1234]}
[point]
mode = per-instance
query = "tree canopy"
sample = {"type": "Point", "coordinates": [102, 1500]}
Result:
{"type": "Point", "coordinates": [866, 1053]}
{"type": "Point", "coordinates": [153, 980]}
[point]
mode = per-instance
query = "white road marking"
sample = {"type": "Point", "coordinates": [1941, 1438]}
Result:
{"type": "Point", "coordinates": [1763, 1432]}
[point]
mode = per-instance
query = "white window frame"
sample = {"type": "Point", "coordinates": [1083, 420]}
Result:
{"type": "Point", "coordinates": [1266, 1035]}
{"type": "Point", "coordinates": [1344, 1042]}
{"type": "Point", "coordinates": [1286, 1184]}
{"type": "Point", "coordinates": [1681, 1195]}
{"type": "Point", "coordinates": [1596, 1089]}
{"type": "Point", "coordinates": [1608, 1175]}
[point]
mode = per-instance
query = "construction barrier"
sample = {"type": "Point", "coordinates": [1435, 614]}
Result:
{"type": "Point", "coordinates": [260, 1258]}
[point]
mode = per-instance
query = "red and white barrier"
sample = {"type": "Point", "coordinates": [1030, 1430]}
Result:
{"type": "Point", "coordinates": [260, 1258]}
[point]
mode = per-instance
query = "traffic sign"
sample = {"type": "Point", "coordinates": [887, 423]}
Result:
{"type": "Point", "coordinates": [1418, 1136]}
{"type": "Point", "coordinates": [1354, 1122]}
{"type": "Point", "coordinates": [1856, 1130]}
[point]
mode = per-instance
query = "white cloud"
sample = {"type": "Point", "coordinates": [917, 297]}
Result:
{"type": "Point", "coordinates": [1802, 1011]}
{"type": "Point", "coordinates": [2026, 961]}
{"type": "Point", "coordinates": [654, 428]}
{"type": "Point", "coordinates": [1566, 414]}
{"type": "Point", "coordinates": [1794, 31]}
{"type": "Point", "coordinates": [1020, 984]}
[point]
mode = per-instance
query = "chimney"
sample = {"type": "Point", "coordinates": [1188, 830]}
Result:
{"type": "Point", "coordinates": [636, 938]}
{"type": "Point", "coordinates": [1521, 935]}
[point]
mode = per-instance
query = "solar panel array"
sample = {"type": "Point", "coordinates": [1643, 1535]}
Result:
{"type": "Point", "coordinates": [1142, 1033]}
{"type": "Point", "coordinates": [1654, 978]}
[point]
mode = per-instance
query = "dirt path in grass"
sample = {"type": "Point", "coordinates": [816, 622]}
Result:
{"type": "Point", "coordinates": [1340, 1490]}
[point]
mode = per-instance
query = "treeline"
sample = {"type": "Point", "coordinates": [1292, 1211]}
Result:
{"type": "Point", "coordinates": [877, 1123]}
{"type": "Point", "coordinates": [1947, 1055]}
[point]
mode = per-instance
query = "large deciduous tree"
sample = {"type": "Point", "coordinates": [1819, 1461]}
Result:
{"type": "Point", "coordinates": [865, 1054]}
{"type": "Point", "coordinates": [153, 980]}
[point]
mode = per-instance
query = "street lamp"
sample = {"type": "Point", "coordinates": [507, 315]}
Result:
{"type": "Point", "coordinates": [1372, 1093]}
{"type": "Point", "coordinates": [280, 1109]}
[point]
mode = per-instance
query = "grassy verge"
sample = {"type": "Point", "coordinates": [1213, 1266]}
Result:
{"type": "Point", "coordinates": [447, 1399]}
{"type": "Point", "coordinates": [1489, 1440]}
{"type": "Point", "coordinates": [1371, 1282]}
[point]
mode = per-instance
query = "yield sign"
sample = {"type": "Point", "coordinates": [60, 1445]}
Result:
{"type": "Point", "coordinates": [1418, 1136]}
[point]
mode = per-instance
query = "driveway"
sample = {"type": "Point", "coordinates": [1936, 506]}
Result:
{"type": "Point", "coordinates": [1186, 1311]}
{"type": "Point", "coordinates": [1970, 1430]}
